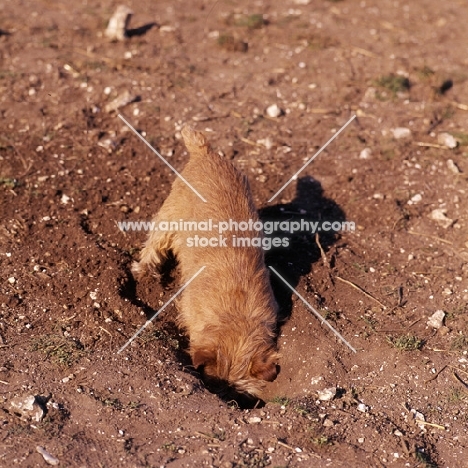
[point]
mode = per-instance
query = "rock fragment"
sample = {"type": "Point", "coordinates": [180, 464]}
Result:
{"type": "Point", "coordinates": [436, 320]}
{"type": "Point", "coordinates": [51, 460]}
{"type": "Point", "coordinates": [445, 139]}
{"type": "Point", "coordinates": [453, 167]}
{"type": "Point", "coordinates": [118, 24]}
{"type": "Point", "coordinates": [274, 111]}
{"type": "Point", "coordinates": [29, 408]}
{"type": "Point", "coordinates": [120, 101]}
{"type": "Point", "coordinates": [439, 215]}
{"type": "Point", "coordinates": [326, 394]}
{"type": "Point", "coordinates": [365, 153]}
{"type": "Point", "coordinates": [401, 132]}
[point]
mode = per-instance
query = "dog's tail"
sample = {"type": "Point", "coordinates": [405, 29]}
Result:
{"type": "Point", "coordinates": [195, 142]}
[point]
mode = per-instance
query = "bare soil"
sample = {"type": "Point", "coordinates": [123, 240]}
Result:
{"type": "Point", "coordinates": [70, 170]}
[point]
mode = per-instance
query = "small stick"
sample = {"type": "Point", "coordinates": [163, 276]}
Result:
{"type": "Point", "coordinates": [430, 145]}
{"type": "Point", "coordinates": [103, 329]}
{"type": "Point", "coordinates": [436, 375]}
{"type": "Point", "coordinates": [355, 286]}
{"type": "Point", "coordinates": [431, 237]}
{"type": "Point", "coordinates": [460, 380]}
{"type": "Point", "coordinates": [460, 106]}
{"type": "Point", "coordinates": [425, 423]}
{"type": "Point", "coordinates": [459, 370]}
{"type": "Point", "coordinates": [322, 252]}
{"type": "Point", "coordinates": [3, 382]}
{"type": "Point", "coordinates": [285, 445]}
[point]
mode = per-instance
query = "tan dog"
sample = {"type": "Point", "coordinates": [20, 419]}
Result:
{"type": "Point", "coordinates": [229, 310]}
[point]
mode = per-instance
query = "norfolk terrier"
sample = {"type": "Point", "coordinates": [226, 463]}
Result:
{"type": "Point", "coordinates": [228, 311]}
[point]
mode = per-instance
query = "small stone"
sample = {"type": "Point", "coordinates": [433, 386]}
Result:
{"type": "Point", "coordinates": [39, 149]}
{"type": "Point", "coordinates": [266, 142]}
{"type": "Point", "coordinates": [328, 423]}
{"type": "Point", "coordinates": [327, 394]}
{"type": "Point", "coordinates": [361, 440]}
{"type": "Point", "coordinates": [64, 199]}
{"type": "Point", "coordinates": [436, 320]}
{"type": "Point", "coordinates": [439, 215]}
{"type": "Point", "coordinates": [298, 450]}
{"type": "Point", "coordinates": [453, 167]}
{"type": "Point", "coordinates": [118, 24]}
{"type": "Point", "coordinates": [365, 153]}
{"type": "Point", "coordinates": [401, 132]}
{"type": "Point", "coordinates": [415, 199]}
{"type": "Point", "coordinates": [273, 111]}
{"type": "Point", "coordinates": [12, 280]}
{"type": "Point", "coordinates": [28, 407]}
{"type": "Point", "coordinates": [254, 420]}
{"type": "Point", "coordinates": [47, 456]}
{"type": "Point", "coordinates": [120, 101]}
{"type": "Point", "coordinates": [107, 90]}
{"type": "Point", "coordinates": [362, 408]}
{"type": "Point", "coordinates": [398, 433]}
{"type": "Point", "coordinates": [445, 139]}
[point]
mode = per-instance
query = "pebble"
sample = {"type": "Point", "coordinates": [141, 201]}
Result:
{"type": "Point", "coordinates": [254, 420]}
{"type": "Point", "coordinates": [453, 167]}
{"type": "Point", "coordinates": [266, 142]}
{"type": "Point", "coordinates": [273, 111]}
{"type": "Point", "coordinates": [328, 423]}
{"type": "Point", "coordinates": [47, 456]}
{"type": "Point", "coordinates": [365, 153]}
{"type": "Point", "coordinates": [436, 320]}
{"type": "Point", "coordinates": [440, 217]}
{"type": "Point", "coordinates": [120, 101]}
{"type": "Point", "coordinates": [415, 199]}
{"type": "Point", "coordinates": [362, 408]}
{"type": "Point", "coordinates": [64, 199]}
{"type": "Point", "coordinates": [401, 132]}
{"type": "Point", "coordinates": [445, 139]}
{"type": "Point", "coordinates": [118, 24]}
{"type": "Point", "coordinates": [326, 394]}
{"type": "Point", "coordinates": [29, 408]}
{"type": "Point", "coordinates": [12, 280]}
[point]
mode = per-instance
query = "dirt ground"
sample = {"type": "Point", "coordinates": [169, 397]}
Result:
{"type": "Point", "coordinates": [70, 170]}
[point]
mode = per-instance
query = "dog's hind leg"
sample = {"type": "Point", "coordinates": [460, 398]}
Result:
{"type": "Point", "coordinates": [155, 253]}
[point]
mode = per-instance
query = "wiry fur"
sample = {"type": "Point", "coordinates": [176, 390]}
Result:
{"type": "Point", "coordinates": [229, 310]}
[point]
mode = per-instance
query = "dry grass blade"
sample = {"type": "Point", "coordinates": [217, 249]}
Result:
{"type": "Point", "coordinates": [358, 288]}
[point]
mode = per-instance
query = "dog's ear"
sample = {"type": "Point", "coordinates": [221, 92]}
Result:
{"type": "Point", "coordinates": [203, 357]}
{"type": "Point", "coordinates": [263, 366]}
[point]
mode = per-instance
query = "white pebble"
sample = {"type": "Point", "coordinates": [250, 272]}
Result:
{"type": "Point", "coordinates": [401, 132]}
{"type": "Point", "coordinates": [254, 420]}
{"type": "Point", "coordinates": [362, 408]}
{"type": "Point", "coordinates": [453, 167]}
{"type": "Point", "coordinates": [39, 149]}
{"type": "Point", "coordinates": [107, 90]}
{"type": "Point", "coordinates": [445, 139]}
{"type": "Point", "coordinates": [273, 111]}
{"type": "Point", "coordinates": [12, 280]}
{"type": "Point", "coordinates": [65, 199]}
{"type": "Point", "coordinates": [415, 199]}
{"type": "Point", "coordinates": [327, 394]}
{"type": "Point", "coordinates": [365, 153]}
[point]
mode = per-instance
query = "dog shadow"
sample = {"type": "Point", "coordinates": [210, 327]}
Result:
{"type": "Point", "coordinates": [295, 261]}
